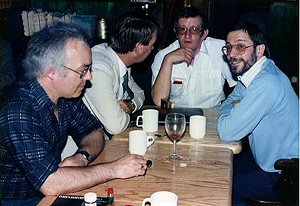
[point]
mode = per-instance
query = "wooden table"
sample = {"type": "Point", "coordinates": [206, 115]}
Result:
{"type": "Point", "coordinates": [211, 139]}
{"type": "Point", "coordinates": [206, 180]}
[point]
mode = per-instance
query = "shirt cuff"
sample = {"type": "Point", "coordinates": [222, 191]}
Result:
{"type": "Point", "coordinates": [135, 106]}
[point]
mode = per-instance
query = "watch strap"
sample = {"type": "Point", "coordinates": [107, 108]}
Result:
{"type": "Point", "coordinates": [85, 155]}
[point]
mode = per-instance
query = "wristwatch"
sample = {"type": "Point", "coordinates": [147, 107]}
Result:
{"type": "Point", "coordinates": [85, 155]}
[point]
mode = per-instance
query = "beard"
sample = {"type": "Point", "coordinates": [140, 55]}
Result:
{"type": "Point", "coordinates": [247, 64]}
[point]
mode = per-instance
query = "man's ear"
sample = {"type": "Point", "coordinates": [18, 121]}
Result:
{"type": "Point", "coordinates": [205, 34]}
{"type": "Point", "coordinates": [52, 73]}
{"type": "Point", "coordinates": [137, 48]}
{"type": "Point", "coordinates": [260, 50]}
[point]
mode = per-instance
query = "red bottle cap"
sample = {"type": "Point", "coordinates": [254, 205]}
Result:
{"type": "Point", "coordinates": [110, 191]}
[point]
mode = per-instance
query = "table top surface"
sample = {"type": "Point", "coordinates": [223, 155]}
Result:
{"type": "Point", "coordinates": [210, 139]}
{"type": "Point", "coordinates": [206, 180]}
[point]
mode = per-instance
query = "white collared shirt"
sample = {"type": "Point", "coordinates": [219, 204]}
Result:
{"type": "Point", "coordinates": [200, 84]}
{"type": "Point", "coordinates": [123, 69]}
{"type": "Point", "coordinates": [103, 97]}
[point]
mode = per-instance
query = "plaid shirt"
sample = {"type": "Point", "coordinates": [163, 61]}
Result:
{"type": "Point", "coordinates": [31, 138]}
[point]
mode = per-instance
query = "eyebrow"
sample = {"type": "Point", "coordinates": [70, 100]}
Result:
{"type": "Point", "coordinates": [190, 26]}
{"type": "Point", "coordinates": [238, 41]}
{"type": "Point", "coordinates": [86, 65]}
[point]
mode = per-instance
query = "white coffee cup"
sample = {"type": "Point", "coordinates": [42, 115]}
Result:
{"type": "Point", "coordinates": [149, 119]}
{"type": "Point", "coordinates": [197, 126]}
{"type": "Point", "coordinates": [162, 198]}
{"type": "Point", "coordinates": [139, 142]}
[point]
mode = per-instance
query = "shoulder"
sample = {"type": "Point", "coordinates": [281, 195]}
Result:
{"type": "Point", "coordinates": [101, 50]}
{"type": "Point", "coordinates": [19, 99]}
{"type": "Point", "coordinates": [271, 73]}
{"type": "Point", "coordinates": [214, 43]}
{"type": "Point", "coordinates": [213, 47]}
{"type": "Point", "coordinates": [19, 92]}
{"type": "Point", "coordinates": [103, 56]}
{"type": "Point", "coordinates": [270, 78]}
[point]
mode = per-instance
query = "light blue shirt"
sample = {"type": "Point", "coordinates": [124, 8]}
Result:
{"type": "Point", "coordinates": [268, 112]}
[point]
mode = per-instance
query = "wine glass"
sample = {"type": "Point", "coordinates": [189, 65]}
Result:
{"type": "Point", "coordinates": [175, 126]}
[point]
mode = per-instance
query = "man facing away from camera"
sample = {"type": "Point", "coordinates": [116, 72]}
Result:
{"type": "Point", "coordinates": [113, 94]}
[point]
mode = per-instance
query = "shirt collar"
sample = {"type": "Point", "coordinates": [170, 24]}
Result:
{"type": "Point", "coordinates": [41, 96]}
{"type": "Point", "coordinates": [248, 76]}
{"type": "Point", "coordinates": [203, 48]}
{"type": "Point", "coordinates": [122, 67]}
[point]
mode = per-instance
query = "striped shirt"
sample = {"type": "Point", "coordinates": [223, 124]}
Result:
{"type": "Point", "coordinates": [31, 138]}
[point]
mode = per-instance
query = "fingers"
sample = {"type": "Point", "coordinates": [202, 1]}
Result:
{"type": "Point", "coordinates": [181, 54]}
{"type": "Point", "coordinates": [141, 165]}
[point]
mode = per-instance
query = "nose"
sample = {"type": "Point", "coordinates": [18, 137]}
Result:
{"type": "Point", "coordinates": [232, 53]}
{"type": "Point", "coordinates": [187, 33]}
{"type": "Point", "coordinates": [88, 75]}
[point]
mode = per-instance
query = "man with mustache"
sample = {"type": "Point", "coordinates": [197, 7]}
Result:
{"type": "Point", "coordinates": [38, 115]}
{"type": "Point", "coordinates": [191, 71]}
{"type": "Point", "coordinates": [262, 106]}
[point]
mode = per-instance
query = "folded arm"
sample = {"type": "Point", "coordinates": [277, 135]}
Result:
{"type": "Point", "coordinates": [162, 85]}
{"type": "Point", "coordinates": [243, 110]}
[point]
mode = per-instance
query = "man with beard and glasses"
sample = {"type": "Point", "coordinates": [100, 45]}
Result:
{"type": "Point", "coordinates": [191, 71]}
{"type": "Point", "coordinates": [262, 106]}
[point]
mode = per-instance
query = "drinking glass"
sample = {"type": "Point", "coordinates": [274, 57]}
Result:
{"type": "Point", "coordinates": [175, 126]}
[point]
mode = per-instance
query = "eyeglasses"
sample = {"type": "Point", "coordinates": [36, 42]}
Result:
{"type": "Point", "coordinates": [239, 48]}
{"type": "Point", "coordinates": [194, 30]}
{"type": "Point", "coordinates": [81, 73]}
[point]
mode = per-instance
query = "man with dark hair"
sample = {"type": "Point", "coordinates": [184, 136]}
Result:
{"type": "Point", "coordinates": [114, 95]}
{"type": "Point", "coordinates": [262, 106]}
{"type": "Point", "coordinates": [191, 71]}
{"type": "Point", "coordinates": [41, 111]}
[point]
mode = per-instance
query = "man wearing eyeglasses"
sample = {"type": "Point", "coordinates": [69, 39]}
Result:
{"type": "Point", "coordinates": [41, 111]}
{"type": "Point", "coordinates": [191, 72]}
{"type": "Point", "coordinates": [262, 106]}
{"type": "Point", "coordinates": [114, 95]}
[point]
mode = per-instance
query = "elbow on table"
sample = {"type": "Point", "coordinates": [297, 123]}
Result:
{"type": "Point", "coordinates": [224, 133]}
{"type": "Point", "coordinates": [117, 128]}
{"type": "Point", "coordinates": [49, 191]}
{"type": "Point", "coordinates": [156, 99]}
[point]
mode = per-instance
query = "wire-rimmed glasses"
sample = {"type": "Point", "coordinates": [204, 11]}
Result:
{"type": "Point", "coordinates": [239, 48]}
{"type": "Point", "coordinates": [194, 30]}
{"type": "Point", "coordinates": [81, 73]}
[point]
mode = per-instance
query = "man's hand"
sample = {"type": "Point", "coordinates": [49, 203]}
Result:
{"type": "Point", "coordinates": [162, 85]}
{"type": "Point", "coordinates": [180, 55]}
{"type": "Point", "coordinates": [130, 166]}
{"type": "Point", "coordinates": [127, 106]}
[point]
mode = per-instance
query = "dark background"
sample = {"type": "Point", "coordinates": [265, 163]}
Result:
{"type": "Point", "coordinates": [278, 19]}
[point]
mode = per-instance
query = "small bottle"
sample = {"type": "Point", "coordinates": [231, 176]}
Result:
{"type": "Point", "coordinates": [90, 199]}
{"type": "Point", "coordinates": [110, 196]}
{"type": "Point", "coordinates": [102, 30]}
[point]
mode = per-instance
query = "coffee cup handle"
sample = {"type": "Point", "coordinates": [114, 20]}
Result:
{"type": "Point", "coordinates": [148, 199]}
{"type": "Point", "coordinates": [137, 121]}
{"type": "Point", "coordinates": [150, 140]}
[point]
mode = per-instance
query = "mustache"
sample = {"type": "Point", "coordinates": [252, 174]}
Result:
{"type": "Point", "coordinates": [234, 60]}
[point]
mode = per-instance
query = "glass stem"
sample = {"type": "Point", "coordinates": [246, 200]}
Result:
{"type": "Point", "coordinates": [174, 146]}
